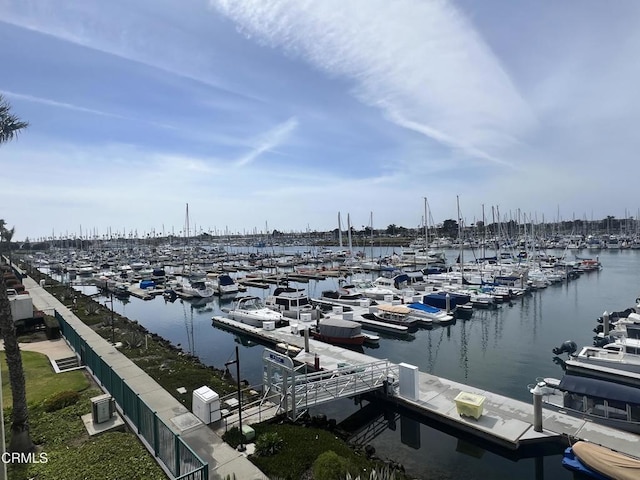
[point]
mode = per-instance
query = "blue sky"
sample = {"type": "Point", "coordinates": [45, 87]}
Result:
{"type": "Point", "coordinates": [285, 112]}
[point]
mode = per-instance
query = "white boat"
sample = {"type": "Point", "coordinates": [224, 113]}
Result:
{"type": "Point", "coordinates": [223, 284]}
{"type": "Point", "coordinates": [396, 315]}
{"type": "Point", "coordinates": [195, 289]}
{"type": "Point", "coordinates": [368, 289]}
{"type": "Point", "coordinates": [613, 355]}
{"type": "Point", "coordinates": [346, 296]}
{"type": "Point", "coordinates": [252, 311]}
{"type": "Point", "coordinates": [292, 303]}
{"type": "Point", "coordinates": [430, 313]}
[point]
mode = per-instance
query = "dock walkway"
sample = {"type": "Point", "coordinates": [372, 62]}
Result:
{"type": "Point", "coordinates": [505, 421]}
{"type": "Point", "coordinates": [223, 460]}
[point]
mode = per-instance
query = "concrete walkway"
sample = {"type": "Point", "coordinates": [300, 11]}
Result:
{"type": "Point", "coordinates": [54, 349]}
{"type": "Point", "coordinates": [222, 459]}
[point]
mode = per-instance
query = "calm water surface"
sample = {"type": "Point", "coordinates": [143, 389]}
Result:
{"type": "Point", "coordinates": [500, 350]}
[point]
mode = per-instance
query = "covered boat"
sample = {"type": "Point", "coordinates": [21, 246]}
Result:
{"type": "Point", "coordinates": [338, 331]}
{"type": "Point", "coordinates": [608, 403]}
{"type": "Point", "coordinates": [601, 463]}
{"type": "Point", "coordinates": [439, 300]}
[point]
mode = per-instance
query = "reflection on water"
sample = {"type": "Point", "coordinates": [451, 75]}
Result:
{"type": "Point", "coordinates": [429, 449]}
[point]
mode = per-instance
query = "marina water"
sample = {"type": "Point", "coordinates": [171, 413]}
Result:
{"type": "Point", "coordinates": [501, 350]}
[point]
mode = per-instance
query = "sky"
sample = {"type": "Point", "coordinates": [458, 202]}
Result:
{"type": "Point", "coordinates": [278, 114]}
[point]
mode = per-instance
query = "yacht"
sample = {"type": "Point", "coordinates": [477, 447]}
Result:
{"type": "Point", "coordinates": [252, 311]}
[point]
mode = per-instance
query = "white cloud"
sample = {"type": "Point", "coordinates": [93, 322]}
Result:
{"type": "Point", "coordinates": [57, 104]}
{"type": "Point", "coordinates": [268, 141]}
{"type": "Point", "coordinates": [421, 62]}
{"type": "Point", "coordinates": [165, 36]}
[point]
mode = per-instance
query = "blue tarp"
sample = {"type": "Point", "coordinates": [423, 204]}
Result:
{"type": "Point", "coordinates": [423, 307]}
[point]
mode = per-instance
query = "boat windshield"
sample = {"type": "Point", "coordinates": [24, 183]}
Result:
{"type": "Point", "coordinates": [251, 304]}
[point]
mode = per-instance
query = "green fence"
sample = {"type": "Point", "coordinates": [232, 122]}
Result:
{"type": "Point", "coordinates": [167, 446]}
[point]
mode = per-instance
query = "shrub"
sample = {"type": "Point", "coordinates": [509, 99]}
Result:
{"type": "Point", "coordinates": [384, 474]}
{"type": "Point", "coordinates": [330, 466]}
{"type": "Point", "coordinates": [268, 444]}
{"type": "Point", "coordinates": [60, 400]}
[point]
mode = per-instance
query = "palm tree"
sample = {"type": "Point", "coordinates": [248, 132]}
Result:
{"type": "Point", "coordinates": [10, 125]}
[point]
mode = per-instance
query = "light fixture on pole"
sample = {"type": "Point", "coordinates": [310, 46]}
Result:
{"type": "Point", "coordinates": [241, 447]}
{"type": "Point", "coordinates": [113, 333]}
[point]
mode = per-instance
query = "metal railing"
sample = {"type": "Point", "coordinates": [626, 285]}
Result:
{"type": "Point", "coordinates": [298, 392]}
{"type": "Point", "coordinates": [167, 446]}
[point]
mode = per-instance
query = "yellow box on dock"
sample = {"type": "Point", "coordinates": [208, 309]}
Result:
{"type": "Point", "coordinates": [469, 404]}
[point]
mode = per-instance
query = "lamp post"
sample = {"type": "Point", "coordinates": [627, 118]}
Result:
{"type": "Point", "coordinates": [241, 447]}
{"type": "Point", "coordinates": [113, 333]}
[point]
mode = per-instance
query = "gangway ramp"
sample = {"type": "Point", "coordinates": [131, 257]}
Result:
{"type": "Point", "coordinates": [299, 391]}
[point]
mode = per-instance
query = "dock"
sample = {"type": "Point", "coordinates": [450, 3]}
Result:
{"type": "Point", "coordinates": [505, 422]}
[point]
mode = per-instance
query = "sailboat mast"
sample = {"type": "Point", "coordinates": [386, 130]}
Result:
{"type": "Point", "coordinates": [339, 230]}
{"type": "Point", "coordinates": [371, 220]}
{"type": "Point", "coordinates": [349, 233]}
{"type": "Point", "coordinates": [426, 234]}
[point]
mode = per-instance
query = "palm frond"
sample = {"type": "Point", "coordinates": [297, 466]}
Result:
{"type": "Point", "coordinates": [10, 124]}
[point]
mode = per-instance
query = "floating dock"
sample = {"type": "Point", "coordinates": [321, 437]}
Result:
{"type": "Point", "coordinates": [504, 421]}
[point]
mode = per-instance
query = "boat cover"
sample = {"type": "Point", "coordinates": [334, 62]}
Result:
{"type": "Point", "coordinates": [573, 463]}
{"type": "Point", "coordinates": [607, 462]}
{"type": "Point", "coordinates": [593, 387]}
{"type": "Point", "coordinates": [225, 280]}
{"type": "Point", "coordinates": [337, 327]}
{"type": "Point", "coordinates": [424, 308]}
{"type": "Point", "coordinates": [400, 309]}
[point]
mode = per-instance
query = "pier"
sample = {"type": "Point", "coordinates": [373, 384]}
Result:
{"type": "Point", "coordinates": [504, 421]}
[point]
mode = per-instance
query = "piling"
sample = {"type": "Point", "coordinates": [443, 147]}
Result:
{"type": "Point", "coordinates": [537, 406]}
{"type": "Point", "coordinates": [306, 340]}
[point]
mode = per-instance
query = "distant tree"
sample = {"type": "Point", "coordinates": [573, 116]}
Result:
{"type": "Point", "coordinates": [21, 441]}
{"type": "Point", "coordinates": [449, 228]}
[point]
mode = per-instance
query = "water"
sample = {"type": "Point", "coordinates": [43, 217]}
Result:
{"type": "Point", "coordinates": [500, 350]}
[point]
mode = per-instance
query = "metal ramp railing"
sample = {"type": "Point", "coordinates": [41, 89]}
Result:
{"type": "Point", "coordinates": [301, 391]}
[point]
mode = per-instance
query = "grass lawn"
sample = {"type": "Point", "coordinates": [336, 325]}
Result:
{"type": "Point", "coordinates": [71, 454]}
{"type": "Point", "coordinates": [40, 379]}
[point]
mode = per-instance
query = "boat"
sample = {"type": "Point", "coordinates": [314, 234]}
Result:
{"type": "Point", "coordinates": [338, 331]}
{"type": "Point", "coordinates": [600, 463]}
{"type": "Point", "coordinates": [288, 349]}
{"type": "Point", "coordinates": [608, 403]}
{"type": "Point", "coordinates": [345, 296]}
{"type": "Point", "coordinates": [621, 356]}
{"type": "Point", "coordinates": [429, 312]}
{"type": "Point", "coordinates": [368, 289]}
{"type": "Point", "coordinates": [398, 284]}
{"type": "Point", "coordinates": [455, 301]}
{"type": "Point", "coordinates": [252, 311]}
{"type": "Point", "coordinates": [292, 303]}
{"type": "Point", "coordinates": [395, 315]}
{"type": "Point", "coordinates": [223, 284]}
{"type": "Point", "coordinates": [194, 289]}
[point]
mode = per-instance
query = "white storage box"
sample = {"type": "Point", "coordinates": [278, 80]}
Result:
{"type": "Point", "coordinates": [206, 405]}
